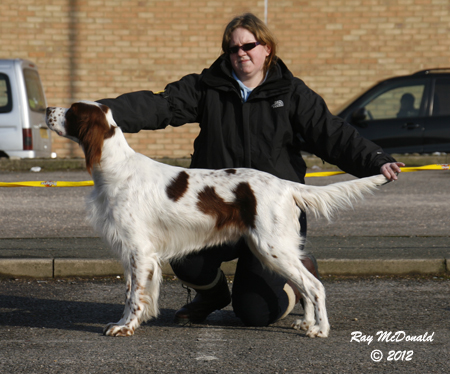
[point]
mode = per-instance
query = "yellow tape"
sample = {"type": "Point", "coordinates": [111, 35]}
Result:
{"type": "Point", "coordinates": [91, 183]}
{"type": "Point", "coordinates": [405, 170]}
{"type": "Point", "coordinates": [48, 184]}
{"type": "Point", "coordinates": [426, 167]}
{"type": "Point", "coordinates": [323, 174]}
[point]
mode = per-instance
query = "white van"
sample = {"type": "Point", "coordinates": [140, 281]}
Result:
{"type": "Point", "coordinates": [23, 132]}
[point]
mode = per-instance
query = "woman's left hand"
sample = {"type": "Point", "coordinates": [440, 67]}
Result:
{"type": "Point", "coordinates": [391, 170]}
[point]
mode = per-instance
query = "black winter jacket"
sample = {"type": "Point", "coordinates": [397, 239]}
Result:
{"type": "Point", "coordinates": [261, 133]}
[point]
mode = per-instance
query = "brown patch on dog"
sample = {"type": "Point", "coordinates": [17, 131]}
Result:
{"type": "Point", "coordinates": [246, 200]}
{"type": "Point", "coordinates": [89, 125]}
{"type": "Point", "coordinates": [230, 171]}
{"type": "Point", "coordinates": [241, 212]}
{"type": "Point", "coordinates": [178, 187]}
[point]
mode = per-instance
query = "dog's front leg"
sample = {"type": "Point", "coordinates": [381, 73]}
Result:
{"type": "Point", "coordinates": [138, 305]}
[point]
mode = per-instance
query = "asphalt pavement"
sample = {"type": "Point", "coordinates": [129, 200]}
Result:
{"type": "Point", "coordinates": [60, 285]}
{"type": "Point", "coordinates": [55, 326]}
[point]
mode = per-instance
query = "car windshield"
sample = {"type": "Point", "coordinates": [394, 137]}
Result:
{"type": "Point", "coordinates": [36, 98]}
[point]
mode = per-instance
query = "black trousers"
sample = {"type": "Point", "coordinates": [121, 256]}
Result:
{"type": "Point", "coordinates": [258, 298]}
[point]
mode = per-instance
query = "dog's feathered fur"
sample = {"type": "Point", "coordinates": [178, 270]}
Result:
{"type": "Point", "coordinates": [150, 212]}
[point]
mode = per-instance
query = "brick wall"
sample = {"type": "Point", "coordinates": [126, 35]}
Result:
{"type": "Point", "coordinates": [91, 49]}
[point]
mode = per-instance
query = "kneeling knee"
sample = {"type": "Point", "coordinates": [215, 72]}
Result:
{"type": "Point", "coordinates": [254, 311]}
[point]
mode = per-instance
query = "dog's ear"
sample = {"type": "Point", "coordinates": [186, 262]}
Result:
{"type": "Point", "coordinates": [88, 123]}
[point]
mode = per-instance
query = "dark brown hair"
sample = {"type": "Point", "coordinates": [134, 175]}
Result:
{"type": "Point", "coordinates": [259, 29]}
{"type": "Point", "coordinates": [88, 124]}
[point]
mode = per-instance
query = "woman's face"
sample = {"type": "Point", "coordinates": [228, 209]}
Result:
{"type": "Point", "coordinates": [248, 66]}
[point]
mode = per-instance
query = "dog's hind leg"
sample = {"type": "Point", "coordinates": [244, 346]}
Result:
{"type": "Point", "coordinates": [141, 275]}
{"type": "Point", "coordinates": [284, 259]}
{"type": "Point", "coordinates": [314, 293]}
{"type": "Point", "coordinates": [308, 320]}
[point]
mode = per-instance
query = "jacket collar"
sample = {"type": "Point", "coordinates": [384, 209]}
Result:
{"type": "Point", "coordinates": [219, 76]}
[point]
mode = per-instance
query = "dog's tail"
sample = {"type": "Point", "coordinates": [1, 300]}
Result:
{"type": "Point", "coordinates": [326, 200]}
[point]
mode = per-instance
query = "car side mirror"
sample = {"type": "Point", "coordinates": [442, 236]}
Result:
{"type": "Point", "coordinates": [359, 117]}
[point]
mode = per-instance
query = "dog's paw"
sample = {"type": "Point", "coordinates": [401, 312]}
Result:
{"type": "Point", "coordinates": [302, 324]}
{"type": "Point", "coordinates": [317, 331]}
{"type": "Point", "coordinates": [115, 329]}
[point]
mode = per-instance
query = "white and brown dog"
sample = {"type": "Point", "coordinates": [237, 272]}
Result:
{"type": "Point", "coordinates": [150, 212]}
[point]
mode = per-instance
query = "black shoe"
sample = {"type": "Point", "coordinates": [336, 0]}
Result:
{"type": "Point", "coordinates": [204, 303]}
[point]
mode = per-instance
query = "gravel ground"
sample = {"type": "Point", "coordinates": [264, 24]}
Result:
{"type": "Point", "coordinates": [55, 326]}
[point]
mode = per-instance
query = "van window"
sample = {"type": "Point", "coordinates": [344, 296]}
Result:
{"type": "Point", "coordinates": [36, 98]}
{"type": "Point", "coordinates": [5, 94]}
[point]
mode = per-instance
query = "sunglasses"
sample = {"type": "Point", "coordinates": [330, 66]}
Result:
{"type": "Point", "coordinates": [244, 47]}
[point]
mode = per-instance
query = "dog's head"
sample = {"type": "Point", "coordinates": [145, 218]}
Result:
{"type": "Point", "coordinates": [87, 123]}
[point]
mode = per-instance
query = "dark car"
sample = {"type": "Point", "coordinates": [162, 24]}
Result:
{"type": "Point", "coordinates": [407, 114]}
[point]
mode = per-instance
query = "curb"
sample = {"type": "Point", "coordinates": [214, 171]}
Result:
{"type": "Point", "coordinates": [68, 268]}
{"type": "Point", "coordinates": [26, 268]}
{"type": "Point", "coordinates": [383, 267]}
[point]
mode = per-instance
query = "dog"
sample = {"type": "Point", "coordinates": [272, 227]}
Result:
{"type": "Point", "coordinates": [149, 212]}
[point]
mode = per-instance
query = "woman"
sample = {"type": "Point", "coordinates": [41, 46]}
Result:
{"type": "Point", "coordinates": [251, 111]}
